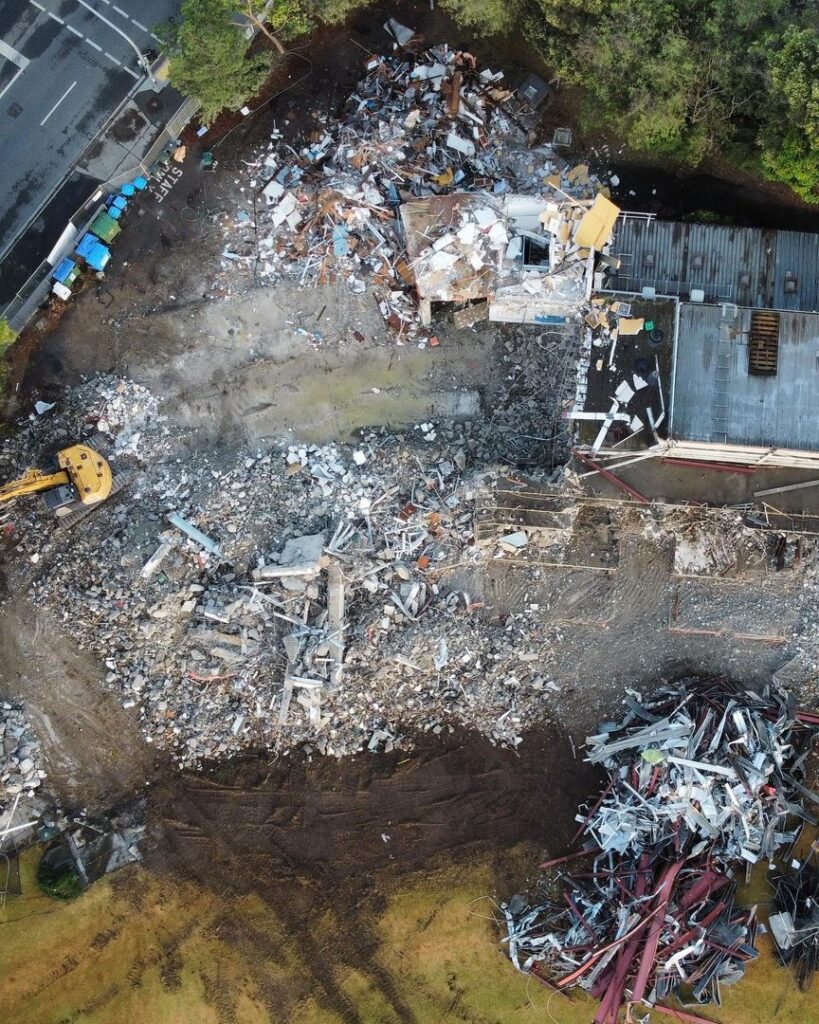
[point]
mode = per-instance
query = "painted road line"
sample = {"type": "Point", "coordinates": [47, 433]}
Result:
{"type": "Point", "coordinates": [119, 10]}
{"type": "Point", "coordinates": [139, 25]}
{"type": "Point", "coordinates": [11, 83]}
{"type": "Point", "coordinates": [35, 4]}
{"type": "Point", "coordinates": [76, 31]}
{"type": "Point", "coordinates": [133, 74]}
{"type": "Point", "coordinates": [110, 24]}
{"type": "Point", "coordinates": [11, 54]}
{"type": "Point", "coordinates": [114, 59]}
{"type": "Point", "coordinates": [92, 43]}
{"type": "Point", "coordinates": [54, 16]}
{"type": "Point", "coordinates": [59, 101]}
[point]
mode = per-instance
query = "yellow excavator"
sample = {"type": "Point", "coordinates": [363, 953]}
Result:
{"type": "Point", "coordinates": [82, 479]}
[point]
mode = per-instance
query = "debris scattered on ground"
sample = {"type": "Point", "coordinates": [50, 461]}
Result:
{"type": "Point", "coordinates": [419, 126]}
{"type": "Point", "coordinates": [295, 595]}
{"type": "Point", "coordinates": [704, 780]}
{"type": "Point", "coordinates": [21, 769]}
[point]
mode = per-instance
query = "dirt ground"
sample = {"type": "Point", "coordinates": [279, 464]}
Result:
{"type": "Point", "coordinates": [94, 751]}
{"type": "Point", "coordinates": [239, 369]}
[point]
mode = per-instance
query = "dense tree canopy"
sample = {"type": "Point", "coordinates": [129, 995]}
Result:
{"type": "Point", "coordinates": [683, 78]}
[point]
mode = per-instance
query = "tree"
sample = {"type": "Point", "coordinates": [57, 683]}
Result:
{"type": "Point", "coordinates": [489, 17]}
{"type": "Point", "coordinates": [208, 57]}
{"type": "Point", "coordinates": [789, 135]}
{"type": "Point", "coordinates": [795, 75]}
{"type": "Point", "coordinates": [287, 18]}
{"type": "Point", "coordinates": [7, 335]}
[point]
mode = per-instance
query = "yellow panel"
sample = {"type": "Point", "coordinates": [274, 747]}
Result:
{"type": "Point", "coordinates": [630, 325]}
{"type": "Point", "coordinates": [597, 224]}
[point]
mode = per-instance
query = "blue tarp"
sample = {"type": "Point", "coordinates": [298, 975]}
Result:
{"type": "Point", "coordinates": [63, 269]}
{"type": "Point", "coordinates": [95, 254]}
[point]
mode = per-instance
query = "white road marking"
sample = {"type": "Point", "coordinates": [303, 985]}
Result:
{"type": "Point", "coordinates": [140, 25]}
{"type": "Point", "coordinates": [11, 54]}
{"type": "Point", "coordinates": [91, 43]}
{"type": "Point", "coordinates": [11, 83]}
{"type": "Point", "coordinates": [110, 24]}
{"type": "Point", "coordinates": [119, 10]}
{"type": "Point", "coordinates": [59, 101]}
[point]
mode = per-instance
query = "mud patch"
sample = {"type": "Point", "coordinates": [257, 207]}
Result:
{"type": "Point", "coordinates": [347, 819]}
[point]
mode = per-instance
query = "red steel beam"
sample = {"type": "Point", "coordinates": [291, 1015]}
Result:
{"type": "Point", "coordinates": [608, 475]}
{"type": "Point", "coordinates": [647, 960]}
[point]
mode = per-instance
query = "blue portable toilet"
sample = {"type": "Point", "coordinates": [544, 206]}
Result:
{"type": "Point", "coordinates": [65, 271]}
{"type": "Point", "coordinates": [95, 254]}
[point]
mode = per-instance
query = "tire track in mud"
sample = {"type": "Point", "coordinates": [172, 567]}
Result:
{"type": "Point", "coordinates": [307, 839]}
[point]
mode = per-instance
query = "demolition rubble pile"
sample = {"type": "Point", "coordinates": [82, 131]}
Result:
{"type": "Point", "coordinates": [418, 126]}
{"type": "Point", "coordinates": [21, 771]}
{"type": "Point", "coordinates": [300, 595]}
{"type": "Point", "coordinates": [704, 779]}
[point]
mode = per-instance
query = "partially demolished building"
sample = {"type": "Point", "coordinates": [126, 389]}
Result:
{"type": "Point", "coordinates": [530, 259]}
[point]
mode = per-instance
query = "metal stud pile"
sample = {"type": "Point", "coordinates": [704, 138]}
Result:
{"type": "Point", "coordinates": [795, 925]}
{"type": "Point", "coordinates": [702, 779]}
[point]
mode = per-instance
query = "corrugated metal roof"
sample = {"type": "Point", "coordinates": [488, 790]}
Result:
{"type": "Point", "coordinates": [716, 399]}
{"type": "Point", "coordinates": [747, 266]}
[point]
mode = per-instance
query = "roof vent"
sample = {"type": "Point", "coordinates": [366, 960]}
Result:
{"type": "Point", "coordinates": [763, 343]}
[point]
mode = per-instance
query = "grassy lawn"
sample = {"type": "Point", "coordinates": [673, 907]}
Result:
{"type": "Point", "coordinates": [142, 947]}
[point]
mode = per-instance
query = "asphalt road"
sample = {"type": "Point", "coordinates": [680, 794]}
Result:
{"type": "Point", "coordinates": [65, 67]}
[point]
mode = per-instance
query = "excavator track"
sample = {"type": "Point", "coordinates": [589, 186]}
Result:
{"type": "Point", "coordinates": [120, 482]}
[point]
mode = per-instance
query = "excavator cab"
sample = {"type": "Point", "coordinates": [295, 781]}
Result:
{"type": "Point", "coordinates": [60, 500]}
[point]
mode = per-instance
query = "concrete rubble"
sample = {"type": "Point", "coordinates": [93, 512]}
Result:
{"type": "Point", "coordinates": [704, 780]}
{"type": "Point", "coordinates": [420, 128]}
{"type": "Point", "coordinates": [290, 596]}
{"type": "Point", "coordinates": [21, 768]}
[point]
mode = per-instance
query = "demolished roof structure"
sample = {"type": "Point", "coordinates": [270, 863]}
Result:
{"type": "Point", "coordinates": [703, 778]}
{"type": "Point", "coordinates": [532, 258]}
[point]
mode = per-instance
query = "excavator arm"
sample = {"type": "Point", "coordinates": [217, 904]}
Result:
{"type": "Point", "coordinates": [32, 481]}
